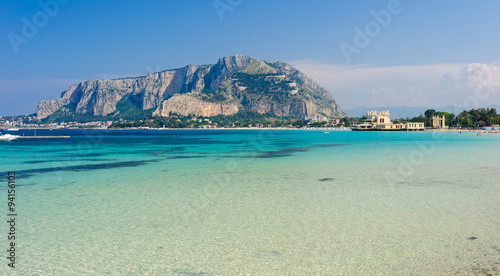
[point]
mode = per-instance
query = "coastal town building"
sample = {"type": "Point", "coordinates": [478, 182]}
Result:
{"type": "Point", "coordinates": [438, 122]}
{"type": "Point", "coordinates": [316, 119]}
{"type": "Point", "coordinates": [381, 122]}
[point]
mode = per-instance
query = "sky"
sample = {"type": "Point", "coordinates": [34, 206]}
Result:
{"type": "Point", "coordinates": [366, 53]}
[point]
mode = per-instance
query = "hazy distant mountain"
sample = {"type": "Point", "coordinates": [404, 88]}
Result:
{"type": "Point", "coordinates": [234, 83]}
{"type": "Point", "coordinates": [409, 112]}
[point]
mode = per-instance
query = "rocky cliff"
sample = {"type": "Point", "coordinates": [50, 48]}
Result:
{"type": "Point", "coordinates": [234, 83]}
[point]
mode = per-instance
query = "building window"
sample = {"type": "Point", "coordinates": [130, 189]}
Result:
{"type": "Point", "coordinates": [381, 120]}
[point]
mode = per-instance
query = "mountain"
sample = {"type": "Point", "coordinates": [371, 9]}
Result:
{"type": "Point", "coordinates": [410, 112]}
{"type": "Point", "coordinates": [235, 83]}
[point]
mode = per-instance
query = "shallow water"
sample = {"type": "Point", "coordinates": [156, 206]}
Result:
{"type": "Point", "coordinates": [225, 202]}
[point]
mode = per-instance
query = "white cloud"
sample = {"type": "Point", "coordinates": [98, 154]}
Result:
{"type": "Point", "coordinates": [472, 84]}
{"type": "Point", "coordinates": [353, 86]}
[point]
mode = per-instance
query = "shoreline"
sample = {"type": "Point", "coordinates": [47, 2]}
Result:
{"type": "Point", "coordinates": [212, 128]}
{"type": "Point", "coordinates": [4, 129]}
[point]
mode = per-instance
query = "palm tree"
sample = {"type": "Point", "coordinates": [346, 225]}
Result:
{"type": "Point", "coordinates": [428, 114]}
{"type": "Point", "coordinates": [463, 116]}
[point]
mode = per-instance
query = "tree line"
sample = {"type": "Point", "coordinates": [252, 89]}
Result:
{"type": "Point", "coordinates": [466, 119]}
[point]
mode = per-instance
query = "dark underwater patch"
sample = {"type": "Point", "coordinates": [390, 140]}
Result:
{"type": "Point", "coordinates": [285, 152]}
{"type": "Point", "coordinates": [185, 156]}
{"type": "Point", "coordinates": [23, 174]}
{"type": "Point", "coordinates": [68, 160]}
{"type": "Point", "coordinates": [291, 151]}
{"type": "Point", "coordinates": [55, 150]}
{"type": "Point", "coordinates": [188, 273]}
{"type": "Point", "coordinates": [282, 152]}
{"type": "Point", "coordinates": [39, 161]}
{"type": "Point", "coordinates": [267, 254]}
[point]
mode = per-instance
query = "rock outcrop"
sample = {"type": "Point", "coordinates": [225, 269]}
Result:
{"type": "Point", "coordinates": [234, 83]}
{"type": "Point", "coordinates": [186, 104]}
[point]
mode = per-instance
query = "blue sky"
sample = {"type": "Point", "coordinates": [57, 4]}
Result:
{"type": "Point", "coordinates": [429, 53]}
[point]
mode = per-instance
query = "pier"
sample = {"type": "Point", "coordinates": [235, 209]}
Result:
{"type": "Point", "coordinates": [43, 137]}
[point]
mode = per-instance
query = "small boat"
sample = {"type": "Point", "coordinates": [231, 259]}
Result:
{"type": "Point", "coordinates": [13, 129]}
{"type": "Point", "coordinates": [8, 137]}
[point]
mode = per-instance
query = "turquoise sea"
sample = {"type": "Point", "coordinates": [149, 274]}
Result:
{"type": "Point", "coordinates": [253, 202]}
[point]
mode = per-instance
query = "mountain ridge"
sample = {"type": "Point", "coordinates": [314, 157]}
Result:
{"type": "Point", "coordinates": [234, 83]}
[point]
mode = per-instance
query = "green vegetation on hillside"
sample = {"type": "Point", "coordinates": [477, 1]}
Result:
{"type": "Point", "coordinates": [241, 119]}
{"type": "Point", "coordinates": [212, 96]}
{"type": "Point", "coordinates": [125, 109]}
{"type": "Point", "coordinates": [67, 114]}
{"type": "Point", "coordinates": [266, 87]}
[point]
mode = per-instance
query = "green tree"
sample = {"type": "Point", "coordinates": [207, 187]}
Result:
{"type": "Point", "coordinates": [419, 119]}
{"type": "Point", "coordinates": [428, 115]}
{"type": "Point", "coordinates": [318, 124]}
